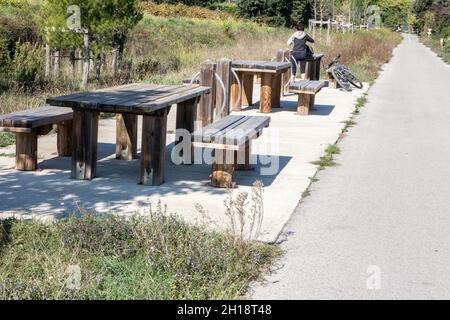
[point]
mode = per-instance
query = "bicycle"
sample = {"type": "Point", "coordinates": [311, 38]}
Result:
{"type": "Point", "coordinates": [343, 76]}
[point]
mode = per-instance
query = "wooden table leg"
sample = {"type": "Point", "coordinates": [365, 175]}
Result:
{"type": "Point", "coordinates": [223, 169]}
{"type": "Point", "coordinates": [276, 90]}
{"type": "Point", "coordinates": [243, 156]}
{"type": "Point", "coordinates": [26, 151]}
{"type": "Point", "coordinates": [84, 154]}
{"type": "Point", "coordinates": [64, 138]}
{"type": "Point", "coordinates": [266, 93]}
{"type": "Point", "coordinates": [153, 153]}
{"type": "Point", "coordinates": [126, 136]}
{"type": "Point", "coordinates": [235, 93]}
{"type": "Point", "coordinates": [247, 89]}
{"type": "Point", "coordinates": [186, 115]}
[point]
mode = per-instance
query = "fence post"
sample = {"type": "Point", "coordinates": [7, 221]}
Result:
{"type": "Point", "coordinates": [206, 106]}
{"type": "Point", "coordinates": [57, 65]}
{"type": "Point", "coordinates": [87, 60]}
{"type": "Point", "coordinates": [47, 61]}
{"type": "Point", "coordinates": [224, 72]}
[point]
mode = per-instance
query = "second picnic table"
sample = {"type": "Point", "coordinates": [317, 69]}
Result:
{"type": "Point", "coordinates": [151, 101]}
{"type": "Point", "coordinates": [270, 71]}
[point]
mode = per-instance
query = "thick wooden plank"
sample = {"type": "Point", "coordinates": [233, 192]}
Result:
{"type": "Point", "coordinates": [153, 154]}
{"type": "Point", "coordinates": [243, 156]}
{"type": "Point", "coordinates": [205, 114]}
{"type": "Point", "coordinates": [234, 106]}
{"type": "Point", "coordinates": [266, 93]}
{"type": "Point", "coordinates": [219, 128]}
{"type": "Point", "coordinates": [261, 66]}
{"type": "Point", "coordinates": [186, 115]}
{"type": "Point", "coordinates": [247, 89]}
{"type": "Point", "coordinates": [307, 86]}
{"type": "Point", "coordinates": [223, 106]}
{"type": "Point", "coordinates": [37, 117]}
{"type": "Point", "coordinates": [245, 131]}
{"type": "Point", "coordinates": [143, 99]}
{"type": "Point", "coordinates": [84, 144]}
{"type": "Point", "coordinates": [26, 151]}
{"type": "Point", "coordinates": [126, 136]}
{"type": "Point", "coordinates": [276, 90]}
{"type": "Point", "coordinates": [64, 138]}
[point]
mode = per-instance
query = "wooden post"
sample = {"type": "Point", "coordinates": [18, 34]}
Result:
{"type": "Point", "coordinates": [86, 62]}
{"type": "Point", "coordinates": [153, 153]}
{"type": "Point", "coordinates": [64, 138]}
{"type": "Point", "coordinates": [266, 93]}
{"type": "Point", "coordinates": [47, 61]}
{"type": "Point", "coordinates": [186, 115]}
{"type": "Point", "coordinates": [26, 151]}
{"type": "Point", "coordinates": [247, 89]}
{"type": "Point", "coordinates": [276, 90]}
{"type": "Point", "coordinates": [243, 157]}
{"type": "Point", "coordinates": [72, 65]}
{"type": "Point", "coordinates": [57, 64]}
{"type": "Point", "coordinates": [281, 57]}
{"type": "Point", "coordinates": [224, 72]}
{"type": "Point", "coordinates": [84, 154]}
{"type": "Point", "coordinates": [115, 57]}
{"type": "Point", "coordinates": [234, 96]}
{"type": "Point", "coordinates": [126, 136]}
{"type": "Point", "coordinates": [303, 104]}
{"type": "Point", "coordinates": [223, 168]}
{"type": "Point", "coordinates": [206, 108]}
{"type": "Point", "coordinates": [328, 33]}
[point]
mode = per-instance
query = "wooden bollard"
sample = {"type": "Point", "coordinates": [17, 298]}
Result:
{"type": "Point", "coordinates": [205, 113]}
{"type": "Point", "coordinates": [282, 56]}
{"type": "Point", "coordinates": [224, 72]}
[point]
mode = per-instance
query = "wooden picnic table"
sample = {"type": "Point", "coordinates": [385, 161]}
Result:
{"type": "Point", "coordinates": [151, 101]}
{"type": "Point", "coordinates": [270, 72]}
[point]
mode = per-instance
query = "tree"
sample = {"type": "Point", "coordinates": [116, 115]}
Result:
{"type": "Point", "coordinates": [394, 12]}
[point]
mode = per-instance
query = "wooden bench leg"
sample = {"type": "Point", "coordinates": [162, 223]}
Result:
{"type": "Point", "coordinates": [331, 81]}
{"type": "Point", "coordinates": [266, 93]}
{"type": "Point", "coordinates": [247, 89]}
{"type": "Point", "coordinates": [243, 157]}
{"type": "Point", "coordinates": [304, 102]}
{"type": "Point", "coordinates": [234, 95]}
{"type": "Point", "coordinates": [84, 154]}
{"type": "Point", "coordinates": [153, 153]}
{"type": "Point", "coordinates": [276, 90]}
{"type": "Point", "coordinates": [312, 100]}
{"type": "Point", "coordinates": [26, 151]}
{"type": "Point", "coordinates": [126, 136]}
{"type": "Point", "coordinates": [185, 121]}
{"type": "Point", "coordinates": [223, 169]}
{"type": "Point", "coordinates": [64, 138]}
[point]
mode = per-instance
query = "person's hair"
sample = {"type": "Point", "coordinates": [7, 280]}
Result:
{"type": "Point", "coordinates": [300, 26]}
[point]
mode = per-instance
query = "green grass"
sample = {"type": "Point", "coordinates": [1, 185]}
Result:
{"type": "Point", "coordinates": [6, 139]}
{"type": "Point", "coordinates": [327, 160]}
{"type": "Point", "coordinates": [152, 257]}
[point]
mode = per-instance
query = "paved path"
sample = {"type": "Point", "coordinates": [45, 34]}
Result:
{"type": "Point", "coordinates": [382, 217]}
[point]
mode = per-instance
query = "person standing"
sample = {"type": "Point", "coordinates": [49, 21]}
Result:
{"type": "Point", "coordinates": [300, 51]}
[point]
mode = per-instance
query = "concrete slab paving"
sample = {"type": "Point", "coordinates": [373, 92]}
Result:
{"type": "Point", "coordinates": [291, 140]}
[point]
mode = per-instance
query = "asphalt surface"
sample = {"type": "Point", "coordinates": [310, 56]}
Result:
{"type": "Point", "coordinates": [377, 226]}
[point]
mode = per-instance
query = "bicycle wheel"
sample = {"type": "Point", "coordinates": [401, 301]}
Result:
{"type": "Point", "coordinates": [353, 80]}
{"type": "Point", "coordinates": [341, 79]}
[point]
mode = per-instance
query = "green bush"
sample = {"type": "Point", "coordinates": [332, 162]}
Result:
{"type": "Point", "coordinates": [27, 69]}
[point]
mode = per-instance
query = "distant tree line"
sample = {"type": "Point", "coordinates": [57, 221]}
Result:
{"type": "Point", "coordinates": [434, 14]}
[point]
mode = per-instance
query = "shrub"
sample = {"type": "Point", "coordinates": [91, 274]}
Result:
{"type": "Point", "coordinates": [180, 10]}
{"type": "Point", "coordinates": [27, 66]}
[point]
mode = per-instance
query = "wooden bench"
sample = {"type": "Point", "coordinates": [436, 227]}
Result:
{"type": "Point", "coordinates": [306, 90]}
{"type": "Point", "coordinates": [28, 124]}
{"type": "Point", "coordinates": [230, 138]}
